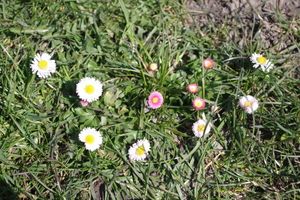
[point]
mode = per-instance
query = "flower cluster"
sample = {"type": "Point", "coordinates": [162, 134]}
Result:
{"type": "Point", "coordinates": [89, 89]}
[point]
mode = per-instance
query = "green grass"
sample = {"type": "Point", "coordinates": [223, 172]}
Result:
{"type": "Point", "coordinates": [41, 156]}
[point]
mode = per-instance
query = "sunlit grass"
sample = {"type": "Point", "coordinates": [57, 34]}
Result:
{"type": "Point", "coordinates": [41, 156]}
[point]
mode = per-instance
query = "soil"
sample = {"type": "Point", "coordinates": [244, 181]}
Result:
{"type": "Point", "coordinates": [274, 22]}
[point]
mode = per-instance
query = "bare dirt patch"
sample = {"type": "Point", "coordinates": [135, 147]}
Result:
{"type": "Point", "coordinates": [274, 22]}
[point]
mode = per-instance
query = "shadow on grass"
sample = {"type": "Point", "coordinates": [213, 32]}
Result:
{"type": "Point", "coordinates": [69, 91]}
{"type": "Point", "coordinates": [6, 192]}
{"type": "Point", "coordinates": [236, 64]}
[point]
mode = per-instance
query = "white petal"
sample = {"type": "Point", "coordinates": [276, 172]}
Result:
{"type": "Point", "coordinates": [242, 101]}
{"type": "Point", "coordinates": [256, 65]}
{"type": "Point", "coordinates": [254, 57]}
{"type": "Point", "coordinates": [45, 56]}
{"type": "Point", "coordinates": [146, 145]}
{"type": "Point", "coordinates": [92, 147]}
{"type": "Point", "coordinates": [248, 110]}
{"type": "Point", "coordinates": [255, 106]}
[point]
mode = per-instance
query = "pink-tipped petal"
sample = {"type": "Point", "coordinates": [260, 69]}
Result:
{"type": "Point", "coordinates": [84, 103]}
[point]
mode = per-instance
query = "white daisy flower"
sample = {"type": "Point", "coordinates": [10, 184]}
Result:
{"type": "Point", "coordinates": [263, 62]}
{"type": "Point", "coordinates": [139, 150]}
{"type": "Point", "coordinates": [201, 128]}
{"type": "Point", "coordinates": [248, 103]}
{"type": "Point", "coordinates": [91, 138]}
{"type": "Point", "coordinates": [42, 65]}
{"type": "Point", "coordinates": [89, 89]}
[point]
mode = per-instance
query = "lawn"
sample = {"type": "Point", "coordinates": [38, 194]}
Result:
{"type": "Point", "coordinates": [252, 155]}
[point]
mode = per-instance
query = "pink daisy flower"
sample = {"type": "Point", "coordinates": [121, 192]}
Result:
{"type": "Point", "coordinates": [155, 100]}
{"type": "Point", "coordinates": [208, 63]}
{"type": "Point", "coordinates": [153, 67]}
{"type": "Point", "coordinates": [198, 103]}
{"type": "Point", "coordinates": [84, 103]}
{"type": "Point", "coordinates": [249, 104]}
{"type": "Point", "coordinates": [192, 88]}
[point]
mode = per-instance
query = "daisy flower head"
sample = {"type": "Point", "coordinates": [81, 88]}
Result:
{"type": "Point", "coordinates": [208, 63]}
{"type": "Point", "coordinates": [153, 67]}
{"type": "Point", "coordinates": [139, 150]}
{"type": "Point", "coordinates": [84, 103]}
{"type": "Point", "coordinates": [89, 89]}
{"type": "Point", "coordinates": [91, 138]}
{"type": "Point", "coordinates": [201, 128]}
{"type": "Point", "coordinates": [198, 103]}
{"type": "Point", "coordinates": [248, 103]}
{"type": "Point", "coordinates": [42, 65]}
{"type": "Point", "coordinates": [192, 88]}
{"type": "Point", "coordinates": [261, 61]}
{"type": "Point", "coordinates": [155, 100]}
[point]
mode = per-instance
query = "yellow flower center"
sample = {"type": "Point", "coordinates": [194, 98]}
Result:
{"type": "Point", "coordinates": [89, 139]}
{"type": "Point", "coordinates": [155, 100]}
{"type": "Point", "coordinates": [90, 89]}
{"type": "Point", "coordinates": [43, 64]}
{"type": "Point", "coordinates": [198, 103]}
{"type": "Point", "coordinates": [261, 60]}
{"type": "Point", "coordinates": [248, 104]}
{"type": "Point", "coordinates": [140, 151]}
{"type": "Point", "coordinates": [200, 127]}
